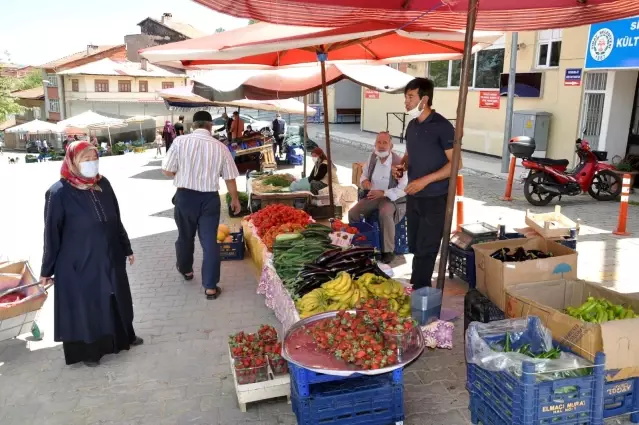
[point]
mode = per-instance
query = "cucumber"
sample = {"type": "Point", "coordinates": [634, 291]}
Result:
{"type": "Point", "coordinates": [288, 236]}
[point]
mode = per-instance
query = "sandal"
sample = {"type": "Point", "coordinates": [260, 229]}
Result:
{"type": "Point", "coordinates": [218, 292]}
{"type": "Point", "coordinates": [186, 276]}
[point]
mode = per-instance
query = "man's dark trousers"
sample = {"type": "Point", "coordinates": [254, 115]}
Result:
{"type": "Point", "coordinates": [198, 212]}
{"type": "Point", "coordinates": [425, 216]}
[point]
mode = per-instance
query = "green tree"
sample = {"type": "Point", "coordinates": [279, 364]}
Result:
{"type": "Point", "coordinates": [8, 104]}
{"type": "Point", "coordinates": [220, 29]}
{"type": "Point", "coordinates": [253, 21]}
{"type": "Point", "coordinates": [31, 80]}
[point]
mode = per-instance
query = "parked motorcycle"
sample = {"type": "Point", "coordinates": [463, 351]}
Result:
{"type": "Point", "coordinates": [547, 178]}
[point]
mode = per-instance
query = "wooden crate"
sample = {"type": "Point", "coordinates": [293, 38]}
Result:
{"type": "Point", "coordinates": [276, 386]}
{"type": "Point", "coordinates": [551, 225]}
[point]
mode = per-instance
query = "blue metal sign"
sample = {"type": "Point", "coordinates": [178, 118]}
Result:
{"type": "Point", "coordinates": [613, 45]}
{"type": "Point", "coordinates": [573, 77]}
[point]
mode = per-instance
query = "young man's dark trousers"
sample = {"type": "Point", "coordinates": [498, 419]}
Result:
{"type": "Point", "coordinates": [198, 212]}
{"type": "Point", "coordinates": [425, 220]}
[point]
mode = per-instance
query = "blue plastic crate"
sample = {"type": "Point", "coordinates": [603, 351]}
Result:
{"type": "Point", "coordinates": [524, 401]}
{"type": "Point", "coordinates": [401, 237]}
{"type": "Point", "coordinates": [303, 378]}
{"type": "Point", "coordinates": [292, 158]}
{"type": "Point", "coordinates": [401, 229]}
{"type": "Point", "coordinates": [233, 250]}
{"type": "Point", "coordinates": [461, 263]}
{"type": "Point", "coordinates": [369, 232]}
{"type": "Point", "coordinates": [368, 400]}
{"type": "Point", "coordinates": [620, 398]}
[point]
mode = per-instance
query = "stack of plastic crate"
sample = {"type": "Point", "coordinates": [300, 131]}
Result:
{"type": "Point", "coordinates": [502, 398]}
{"type": "Point", "coordinates": [355, 400]}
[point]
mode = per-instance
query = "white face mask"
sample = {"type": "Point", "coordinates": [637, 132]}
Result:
{"type": "Point", "coordinates": [382, 154]}
{"type": "Point", "coordinates": [89, 169]}
{"type": "Point", "coordinates": [315, 159]}
{"type": "Point", "coordinates": [415, 112]}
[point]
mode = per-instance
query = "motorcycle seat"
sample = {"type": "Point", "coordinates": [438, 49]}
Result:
{"type": "Point", "coordinates": [550, 162]}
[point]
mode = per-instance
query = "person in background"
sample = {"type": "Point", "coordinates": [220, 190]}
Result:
{"type": "Point", "coordinates": [94, 142]}
{"type": "Point", "coordinates": [158, 144]}
{"type": "Point", "coordinates": [429, 152]}
{"type": "Point", "coordinates": [227, 126]}
{"type": "Point", "coordinates": [179, 126]}
{"type": "Point", "coordinates": [279, 133]}
{"type": "Point", "coordinates": [318, 178]}
{"type": "Point", "coordinates": [196, 163]}
{"type": "Point", "coordinates": [45, 146]}
{"type": "Point", "coordinates": [384, 193]}
{"type": "Point", "coordinates": [237, 126]}
{"type": "Point", "coordinates": [168, 134]}
{"type": "Point", "coordinates": [248, 131]}
{"type": "Point", "coordinates": [85, 250]}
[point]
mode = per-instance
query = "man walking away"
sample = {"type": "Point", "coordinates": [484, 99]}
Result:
{"type": "Point", "coordinates": [279, 132]}
{"type": "Point", "coordinates": [196, 161]}
{"type": "Point", "coordinates": [179, 126]}
{"type": "Point", "coordinates": [384, 193]}
{"type": "Point", "coordinates": [429, 152]}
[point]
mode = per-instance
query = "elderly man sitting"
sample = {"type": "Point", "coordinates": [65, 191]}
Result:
{"type": "Point", "coordinates": [384, 193]}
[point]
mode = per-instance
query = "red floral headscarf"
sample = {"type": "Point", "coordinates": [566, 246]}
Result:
{"type": "Point", "coordinates": [70, 171]}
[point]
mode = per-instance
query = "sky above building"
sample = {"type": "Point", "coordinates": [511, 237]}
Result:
{"type": "Point", "coordinates": [38, 31]}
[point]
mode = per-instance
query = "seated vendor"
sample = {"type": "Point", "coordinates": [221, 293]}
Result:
{"type": "Point", "coordinates": [248, 131]}
{"type": "Point", "coordinates": [384, 193]}
{"type": "Point", "coordinates": [318, 178]}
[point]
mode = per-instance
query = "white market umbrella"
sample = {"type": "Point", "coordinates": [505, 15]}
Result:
{"type": "Point", "coordinates": [139, 119]}
{"type": "Point", "coordinates": [35, 126]}
{"type": "Point", "coordinates": [88, 119]}
{"type": "Point", "coordinates": [108, 125]}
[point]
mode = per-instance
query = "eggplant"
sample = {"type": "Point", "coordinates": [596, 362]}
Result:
{"type": "Point", "coordinates": [349, 253]}
{"type": "Point", "coordinates": [323, 259]}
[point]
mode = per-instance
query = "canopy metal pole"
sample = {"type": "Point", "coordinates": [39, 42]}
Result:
{"type": "Point", "coordinates": [505, 155]}
{"type": "Point", "coordinates": [141, 137]}
{"type": "Point", "coordinates": [321, 56]}
{"type": "Point", "coordinates": [305, 130]}
{"type": "Point", "coordinates": [459, 134]}
{"type": "Point", "coordinates": [109, 131]}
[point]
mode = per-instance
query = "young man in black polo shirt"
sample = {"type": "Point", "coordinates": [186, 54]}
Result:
{"type": "Point", "coordinates": [429, 152]}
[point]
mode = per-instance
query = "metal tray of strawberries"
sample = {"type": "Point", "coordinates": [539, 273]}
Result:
{"type": "Point", "coordinates": [366, 350]}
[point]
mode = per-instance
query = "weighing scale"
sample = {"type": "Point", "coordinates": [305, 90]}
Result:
{"type": "Point", "coordinates": [473, 233]}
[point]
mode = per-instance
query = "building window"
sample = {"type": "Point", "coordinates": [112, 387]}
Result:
{"type": "Point", "coordinates": [548, 48]}
{"type": "Point", "coordinates": [124, 86]}
{"type": "Point", "coordinates": [75, 85]}
{"type": "Point", "coordinates": [101, 86]}
{"type": "Point", "coordinates": [144, 86]}
{"type": "Point", "coordinates": [167, 85]}
{"type": "Point", "coordinates": [315, 98]}
{"type": "Point", "coordinates": [486, 68]}
{"type": "Point", "coordinates": [54, 105]}
{"type": "Point", "coordinates": [53, 80]}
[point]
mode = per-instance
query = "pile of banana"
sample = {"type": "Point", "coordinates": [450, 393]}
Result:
{"type": "Point", "coordinates": [343, 293]}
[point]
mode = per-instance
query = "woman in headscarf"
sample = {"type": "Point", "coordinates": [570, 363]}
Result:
{"type": "Point", "coordinates": [318, 178]}
{"type": "Point", "coordinates": [168, 134]}
{"type": "Point", "coordinates": [85, 249]}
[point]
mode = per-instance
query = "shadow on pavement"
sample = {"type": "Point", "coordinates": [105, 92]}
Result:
{"type": "Point", "coordinates": [164, 214]}
{"type": "Point", "coordinates": [151, 175]}
{"type": "Point", "coordinates": [155, 163]}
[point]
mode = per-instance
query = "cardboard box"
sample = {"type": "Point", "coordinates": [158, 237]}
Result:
{"type": "Point", "coordinates": [494, 276]}
{"type": "Point", "coordinates": [618, 339]}
{"type": "Point", "coordinates": [358, 169]}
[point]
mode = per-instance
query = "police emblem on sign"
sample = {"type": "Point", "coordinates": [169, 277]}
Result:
{"type": "Point", "coordinates": [601, 44]}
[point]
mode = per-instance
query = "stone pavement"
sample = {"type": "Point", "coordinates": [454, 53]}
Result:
{"type": "Point", "coordinates": [182, 374]}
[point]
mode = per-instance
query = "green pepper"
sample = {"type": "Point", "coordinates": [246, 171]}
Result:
{"type": "Point", "coordinates": [507, 345]}
{"type": "Point", "coordinates": [587, 307]}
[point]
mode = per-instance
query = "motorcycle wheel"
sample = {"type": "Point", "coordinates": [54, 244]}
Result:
{"type": "Point", "coordinates": [605, 186]}
{"type": "Point", "coordinates": [533, 193]}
